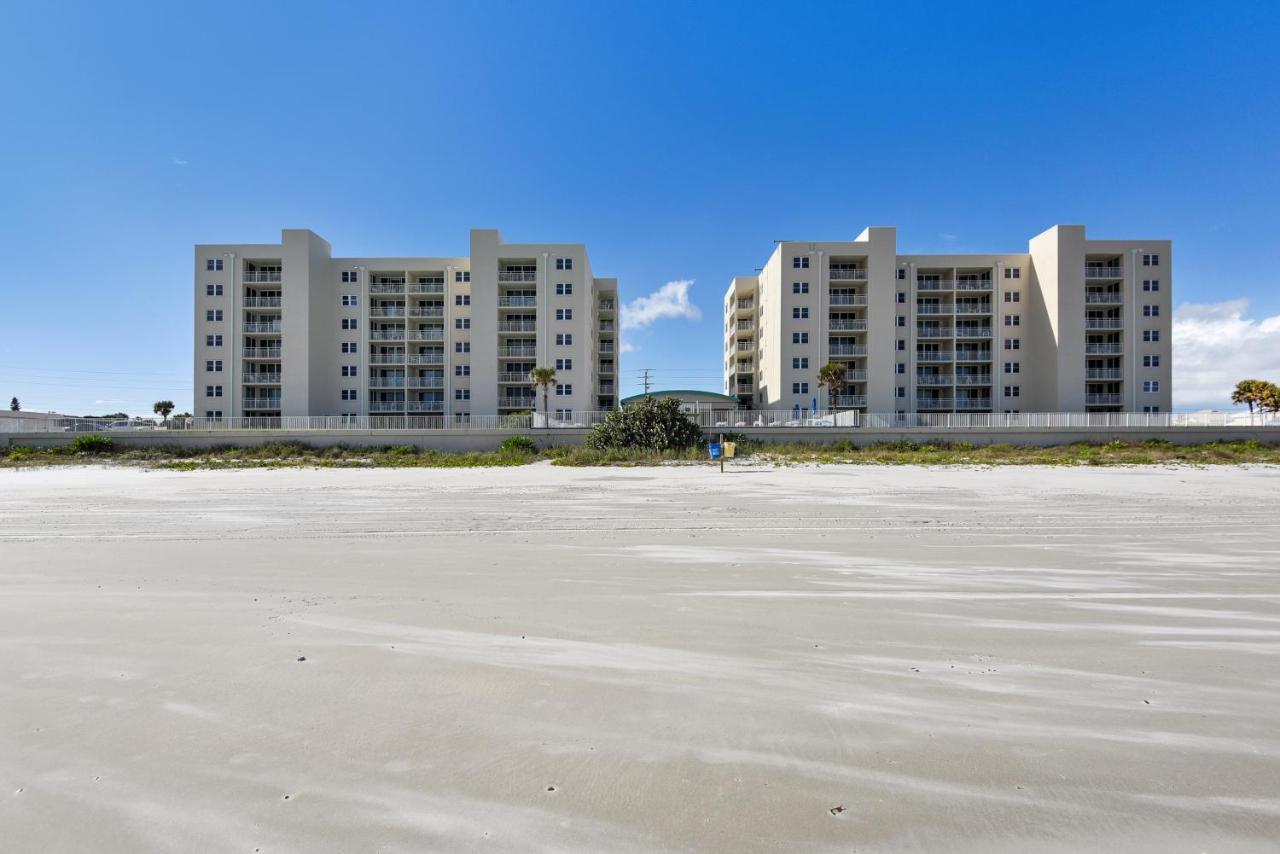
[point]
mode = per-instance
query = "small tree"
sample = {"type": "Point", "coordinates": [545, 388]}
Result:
{"type": "Point", "coordinates": [1249, 392]}
{"type": "Point", "coordinates": [1269, 398]}
{"type": "Point", "coordinates": [831, 377]}
{"type": "Point", "coordinates": [163, 408]}
{"type": "Point", "coordinates": [14, 406]}
{"type": "Point", "coordinates": [649, 424]}
{"type": "Point", "coordinates": [544, 378]}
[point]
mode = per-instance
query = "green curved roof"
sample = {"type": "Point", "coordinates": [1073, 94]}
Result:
{"type": "Point", "coordinates": [676, 392]}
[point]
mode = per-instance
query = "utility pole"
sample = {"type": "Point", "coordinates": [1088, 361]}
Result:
{"type": "Point", "coordinates": [646, 380]}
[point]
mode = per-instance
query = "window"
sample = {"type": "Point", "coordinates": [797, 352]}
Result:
{"type": "Point", "coordinates": [349, 347]}
{"type": "Point", "coordinates": [902, 275]}
{"type": "Point", "coordinates": [564, 364]}
{"type": "Point", "coordinates": [1012, 344]}
{"type": "Point", "coordinates": [799, 388]}
{"type": "Point", "coordinates": [902, 298]}
{"type": "Point", "coordinates": [564, 339]}
{"type": "Point", "coordinates": [1013, 272]}
{"type": "Point", "coordinates": [462, 323]}
{"type": "Point", "coordinates": [462, 394]}
{"type": "Point", "coordinates": [902, 345]}
{"type": "Point", "coordinates": [462, 299]}
{"type": "Point", "coordinates": [1012, 296]}
{"type": "Point", "coordinates": [564, 414]}
{"type": "Point", "coordinates": [1013, 367]}
{"type": "Point", "coordinates": [564, 263]}
{"type": "Point", "coordinates": [462, 346]}
{"type": "Point", "coordinates": [1151, 385]}
{"type": "Point", "coordinates": [564, 314]}
{"type": "Point", "coordinates": [800, 312]}
{"type": "Point", "coordinates": [349, 371]}
{"type": "Point", "coordinates": [1151, 335]}
{"type": "Point", "coordinates": [1151, 311]}
{"type": "Point", "coordinates": [213, 264]}
{"type": "Point", "coordinates": [213, 413]}
{"type": "Point", "coordinates": [213, 391]}
{"type": "Point", "coordinates": [902, 321]}
{"type": "Point", "coordinates": [213, 314]}
{"type": "Point", "coordinates": [800, 363]}
{"type": "Point", "coordinates": [349, 394]}
{"type": "Point", "coordinates": [902, 367]}
{"type": "Point", "coordinates": [902, 391]}
{"type": "Point", "coordinates": [1150, 409]}
{"type": "Point", "coordinates": [213, 290]}
{"type": "Point", "coordinates": [1150, 361]}
{"type": "Point", "coordinates": [799, 337]}
{"type": "Point", "coordinates": [800, 263]}
{"type": "Point", "coordinates": [213, 340]}
{"type": "Point", "coordinates": [564, 289]}
{"type": "Point", "coordinates": [348, 323]}
{"type": "Point", "coordinates": [349, 276]}
{"type": "Point", "coordinates": [349, 300]}
{"type": "Point", "coordinates": [1012, 320]}
{"type": "Point", "coordinates": [564, 389]}
{"type": "Point", "coordinates": [1151, 260]}
{"type": "Point", "coordinates": [462, 276]}
{"type": "Point", "coordinates": [1013, 391]}
{"type": "Point", "coordinates": [1150, 285]}
{"type": "Point", "coordinates": [213, 365]}
{"type": "Point", "coordinates": [799, 287]}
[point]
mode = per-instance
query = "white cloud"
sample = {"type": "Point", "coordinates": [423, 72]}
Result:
{"type": "Point", "coordinates": [948, 237]}
{"type": "Point", "coordinates": [178, 161]}
{"type": "Point", "coordinates": [670, 300]}
{"type": "Point", "coordinates": [1216, 345]}
{"type": "Point", "coordinates": [627, 347]}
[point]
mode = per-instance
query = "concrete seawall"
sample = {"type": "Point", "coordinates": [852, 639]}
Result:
{"type": "Point", "coordinates": [481, 440]}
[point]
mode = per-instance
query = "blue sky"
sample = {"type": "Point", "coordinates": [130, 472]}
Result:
{"type": "Point", "coordinates": [675, 140]}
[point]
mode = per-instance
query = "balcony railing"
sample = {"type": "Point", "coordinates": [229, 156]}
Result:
{"type": "Point", "coordinates": [607, 326]}
{"type": "Point", "coordinates": [847, 275]}
{"type": "Point", "coordinates": [386, 334]}
{"type": "Point", "coordinates": [261, 352]}
{"type": "Point", "coordinates": [1102, 399]}
{"type": "Point", "coordinates": [426, 335]}
{"type": "Point", "coordinates": [847, 325]}
{"type": "Point", "coordinates": [969, 403]}
{"type": "Point", "coordinates": [606, 346]}
{"type": "Point", "coordinates": [934, 403]}
{"type": "Point", "coordinates": [746, 346]}
{"type": "Point", "coordinates": [256, 276]}
{"type": "Point", "coordinates": [386, 288]}
{"type": "Point", "coordinates": [517, 401]}
{"type": "Point", "coordinates": [933, 357]}
{"type": "Point", "coordinates": [517, 352]}
{"type": "Point", "coordinates": [262, 302]}
{"type": "Point", "coordinates": [424, 288]}
{"type": "Point", "coordinates": [935, 285]}
{"type": "Point", "coordinates": [517, 302]}
{"type": "Point", "coordinates": [518, 326]}
{"type": "Point", "coordinates": [262, 328]}
{"type": "Point", "coordinates": [1092, 272]}
{"type": "Point", "coordinates": [961, 308]}
{"type": "Point", "coordinates": [973, 284]}
{"type": "Point", "coordinates": [1104, 349]}
{"type": "Point", "coordinates": [429, 311]}
{"type": "Point", "coordinates": [606, 368]}
{"type": "Point", "coordinates": [855, 376]}
{"type": "Point", "coordinates": [1103, 323]}
{"type": "Point", "coordinates": [934, 332]}
{"type": "Point", "coordinates": [387, 311]}
{"type": "Point", "coordinates": [1104, 299]}
{"type": "Point", "coordinates": [517, 276]}
{"type": "Point", "coordinates": [933, 379]}
{"type": "Point", "coordinates": [517, 377]}
{"type": "Point", "coordinates": [973, 379]}
{"type": "Point", "coordinates": [933, 309]}
{"type": "Point", "coordinates": [745, 326]}
{"type": "Point", "coordinates": [261, 379]}
{"type": "Point", "coordinates": [607, 305]}
{"type": "Point", "coordinates": [973, 355]}
{"type": "Point", "coordinates": [262, 403]}
{"type": "Point", "coordinates": [386, 359]}
{"type": "Point", "coordinates": [848, 299]}
{"type": "Point", "coordinates": [849, 400]}
{"type": "Point", "coordinates": [973, 331]}
{"type": "Point", "coordinates": [425, 406]}
{"type": "Point", "coordinates": [745, 368]}
{"type": "Point", "coordinates": [746, 305]}
{"type": "Point", "coordinates": [386, 382]}
{"type": "Point", "coordinates": [1104, 374]}
{"type": "Point", "coordinates": [847, 350]}
{"type": "Point", "coordinates": [426, 359]}
{"type": "Point", "coordinates": [426, 382]}
{"type": "Point", "coordinates": [386, 406]}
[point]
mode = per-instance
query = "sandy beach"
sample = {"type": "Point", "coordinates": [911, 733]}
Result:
{"type": "Point", "coordinates": [653, 659]}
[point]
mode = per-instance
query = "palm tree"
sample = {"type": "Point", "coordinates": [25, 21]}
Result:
{"type": "Point", "coordinates": [14, 406]}
{"type": "Point", "coordinates": [544, 377]}
{"type": "Point", "coordinates": [831, 377]}
{"type": "Point", "coordinates": [1269, 398]}
{"type": "Point", "coordinates": [1249, 392]}
{"type": "Point", "coordinates": [163, 408]}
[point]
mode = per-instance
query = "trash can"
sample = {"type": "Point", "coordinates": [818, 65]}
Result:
{"type": "Point", "coordinates": [729, 448]}
{"type": "Point", "coordinates": [714, 450]}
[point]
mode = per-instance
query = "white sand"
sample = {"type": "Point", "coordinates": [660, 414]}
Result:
{"type": "Point", "coordinates": [1015, 660]}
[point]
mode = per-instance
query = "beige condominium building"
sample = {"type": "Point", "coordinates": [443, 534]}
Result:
{"type": "Point", "coordinates": [1073, 324]}
{"type": "Point", "coordinates": [287, 329]}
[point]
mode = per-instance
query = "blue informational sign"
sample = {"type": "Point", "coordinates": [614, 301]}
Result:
{"type": "Point", "coordinates": [714, 450]}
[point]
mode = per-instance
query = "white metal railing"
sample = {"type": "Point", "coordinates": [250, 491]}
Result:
{"type": "Point", "coordinates": [386, 406]}
{"type": "Point", "coordinates": [846, 400]}
{"type": "Point", "coordinates": [1103, 323]}
{"type": "Point", "coordinates": [935, 332]}
{"type": "Point", "coordinates": [426, 334]}
{"type": "Point", "coordinates": [933, 379]}
{"type": "Point", "coordinates": [518, 326]}
{"type": "Point", "coordinates": [381, 288]}
{"type": "Point", "coordinates": [519, 377]}
{"type": "Point", "coordinates": [847, 325]}
{"type": "Point", "coordinates": [426, 288]}
{"type": "Point", "coordinates": [386, 334]}
{"type": "Point", "coordinates": [934, 403]}
{"type": "Point", "coordinates": [973, 355]}
{"type": "Point", "coordinates": [973, 379]}
{"type": "Point", "coordinates": [606, 347]}
{"type": "Point", "coordinates": [517, 352]}
{"type": "Point", "coordinates": [973, 403]}
{"type": "Point", "coordinates": [745, 326]}
{"type": "Point", "coordinates": [935, 285]}
{"type": "Point", "coordinates": [386, 382]}
{"type": "Point", "coordinates": [1102, 399]}
{"type": "Point", "coordinates": [1104, 299]}
{"type": "Point", "coordinates": [933, 309]}
{"type": "Point", "coordinates": [963, 309]}
{"type": "Point", "coordinates": [262, 328]}
{"type": "Point", "coordinates": [607, 326]}
{"type": "Point", "coordinates": [517, 276]}
{"type": "Point", "coordinates": [1093, 272]}
{"type": "Point", "coordinates": [262, 302]}
{"type": "Point", "coordinates": [846, 350]}
{"type": "Point", "coordinates": [261, 379]}
{"type": "Point", "coordinates": [746, 346]}
{"type": "Point", "coordinates": [425, 406]}
{"type": "Point", "coordinates": [973, 331]}
{"type": "Point", "coordinates": [973, 285]}
{"type": "Point", "coordinates": [426, 359]}
{"type": "Point", "coordinates": [512, 402]}
{"type": "Point", "coordinates": [847, 275]}
{"type": "Point", "coordinates": [517, 302]}
{"type": "Point", "coordinates": [848, 299]}
{"type": "Point", "coordinates": [388, 280]}
{"type": "Point", "coordinates": [1104, 374]}
{"type": "Point", "coordinates": [429, 311]}
{"type": "Point", "coordinates": [1104, 349]}
{"type": "Point", "coordinates": [255, 276]}
{"type": "Point", "coordinates": [855, 376]}
{"type": "Point", "coordinates": [386, 359]}
{"type": "Point", "coordinates": [933, 357]}
{"type": "Point", "coordinates": [262, 403]}
{"type": "Point", "coordinates": [430, 382]}
{"type": "Point", "coordinates": [386, 311]}
{"type": "Point", "coordinates": [261, 352]}
{"type": "Point", "coordinates": [607, 305]}
{"type": "Point", "coordinates": [746, 305]}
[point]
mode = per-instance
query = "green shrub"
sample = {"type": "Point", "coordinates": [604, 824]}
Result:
{"type": "Point", "coordinates": [91, 444]}
{"type": "Point", "coordinates": [518, 445]}
{"type": "Point", "coordinates": [649, 424]}
{"type": "Point", "coordinates": [402, 450]}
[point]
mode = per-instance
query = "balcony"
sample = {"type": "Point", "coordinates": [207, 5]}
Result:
{"type": "Point", "coordinates": [517, 402]}
{"type": "Point", "coordinates": [1102, 399]}
{"type": "Point", "coordinates": [426, 335]}
{"type": "Point", "coordinates": [606, 346]}
{"type": "Point", "coordinates": [387, 311]}
{"type": "Point", "coordinates": [518, 326]}
{"type": "Point", "coordinates": [971, 403]}
{"type": "Point", "coordinates": [514, 378]}
{"type": "Point", "coordinates": [261, 379]}
{"type": "Point", "coordinates": [858, 376]}
{"type": "Point", "coordinates": [607, 326]}
{"type": "Point", "coordinates": [262, 302]}
{"type": "Point", "coordinates": [849, 400]}
{"type": "Point", "coordinates": [973, 331]}
{"type": "Point", "coordinates": [262, 403]}
{"type": "Point", "coordinates": [979, 308]}
{"type": "Point", "coordinates": [745, 326]}
{"type": "Point", "coordinates": [268, 353]}
{"type": "Point", "coordinates": [973, 284]}
{"type": "Point", "coordinates": [517, 302]}
{"type": "Point", "coordinates": [935, 285]}
{"type": "Point", "coordinates": [933, 379]}
{"type": "Point", "coordinates": [386, 359]}
{"type": "Point", "coordinates": [847, 274]}
{"type": "Point", "coordinates": [933, 309]}
{"type": "Point", "coordinates": [425, 406]}
{"type": "Point", "coordinates": [934, 332]}
{"type": "Point", "coordinates": [746, 305]}
{"type": "Point", "coordinates": [430, 286]}
{"type": "Point", "coordinates": [1104, 374]}
{"type": "Point", "coordinates": [517, 352]}
{"type": "Point", "coordinates": [746, 346]}
{"type": "Point", "coordinates": [847, 350]}
{"type": "Point", "coordinates": [745, 368]}
{"type": "Point", "coordinates": [387, 287]}
{"type": "Point", "coordinates": [848, 299]}
{"type": "Point", "coordinates": [847, 325]}
{"type": "Point", "coordinates": [261, 276]}
{"type": "Point", "coordinates": [973, 379]}
{"type": "Point", "coordinates": [973, 355]}
{"type": "Point", "coordinates": [1104, 349]}
{"type": "Point", "coordinates": [1099, 272]}
{"type": "Point", "coordinates": [606, 368]}
{"type": "Point", "coordinates": [425, 359]}
{"type": "Point", "coordinates": [606, 388]}
{"type": "Point", "coordinates": [607, 305]}
{"type": "Point", "coordinates": [429, 382]}
{"type": "Point", "coordinates": [745, 388]}
{"type": "Point", "coordinates": [1103, 299]}
{"type": "Point", "coordinates": [386, 406]}
{"type": "Point", "coordinates": [262, 327]}
{"type": "Point", "coordinates": [1103, 323]}
{"type": "Point", "coordinates": [386, 382]}
{"type": "Point", "coordinates": [517, 276]}
{"type": "Point", "coordinates": [933, 403]}
{"type": "Point", "coordinates": [386, 334]}
{"type": "Point", "coordinates": [933, 357]}
{"type": "Point", "coordinates": [428, 311]}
